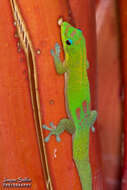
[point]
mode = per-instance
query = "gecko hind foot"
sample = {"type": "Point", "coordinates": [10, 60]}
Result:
{"type": "Point", "coordinates": [93, 129]}
{"type": "Point", "coordinates": [53, 131]}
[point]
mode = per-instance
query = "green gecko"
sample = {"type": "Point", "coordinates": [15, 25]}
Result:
{"type": "Point", "coordinates": [77, 94]}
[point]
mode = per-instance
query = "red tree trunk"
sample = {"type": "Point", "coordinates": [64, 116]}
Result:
{"type": "Point", "coordinates": [123, 24]}
{"type": "Point", "coordinates": [109, 86]}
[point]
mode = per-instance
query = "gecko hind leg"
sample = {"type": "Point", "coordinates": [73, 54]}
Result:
{"type": "Point", "coordinates": [64, 125]}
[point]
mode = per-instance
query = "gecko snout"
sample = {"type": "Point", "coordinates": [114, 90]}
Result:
{"type": "Point", "coordinates": [60, 21]}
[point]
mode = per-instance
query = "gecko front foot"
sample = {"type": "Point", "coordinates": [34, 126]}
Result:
{"type": "Point", "coordinates": [53, 131]}
{"type": "Point", "coordinates": [56, 53]}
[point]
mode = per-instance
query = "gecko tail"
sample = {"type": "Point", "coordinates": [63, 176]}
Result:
{"type": "Point", "coordinates": [81, 157]}
{"type": "Point", "coordinates": [84, 172]}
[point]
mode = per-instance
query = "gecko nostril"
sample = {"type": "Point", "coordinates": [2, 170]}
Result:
{"type": "Point", "coordinates": [60, 21]}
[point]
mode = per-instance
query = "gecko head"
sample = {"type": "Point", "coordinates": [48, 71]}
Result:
{"type": "Point", "coordinates": [72, 39]}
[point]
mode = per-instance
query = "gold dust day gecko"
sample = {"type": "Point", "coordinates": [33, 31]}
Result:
{"type": "Point", "coordinates": [77, 93]}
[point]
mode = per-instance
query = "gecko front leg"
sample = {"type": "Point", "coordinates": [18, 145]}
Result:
{"type": "Point", "coordinates": [60, 67]}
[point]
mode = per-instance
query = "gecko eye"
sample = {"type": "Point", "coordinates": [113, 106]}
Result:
{"type": "Point", "coordinates": [69, 42]}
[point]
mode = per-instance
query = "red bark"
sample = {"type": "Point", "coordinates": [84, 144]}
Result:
{"type": "Point", "coordinates": [109, 99]}
{"type": "Point", "coordinates": [123, 24]}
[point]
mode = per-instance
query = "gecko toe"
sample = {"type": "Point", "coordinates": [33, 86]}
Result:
{"type": "Point", "coordinates": [47, 138]}
{"type": "Point", "coordinates": [52, 52]}
{"type": "Point", "coordinates": [57, 45]}
{"type": "Point", "coordinates": [57, 48]}
{"type": "Point", "coordinates": [58, 138]}
{"type": "Point", "coordinates": [93, 129]}
{"type": "Point", "coordinates": [47, 128]}
{"type": "Point", "coordinates": [52, 125]}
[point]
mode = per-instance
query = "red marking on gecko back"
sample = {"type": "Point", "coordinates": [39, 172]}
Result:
{"type": "Point", "coordinates": [78, 111]}
{"type": "Point", "coordinates": [78, 41]}
{"type": "Point", "coordinates": [84, 104]}
{"type": "Point", "coordinates": [80, 124]}
{"type": "Point", "coordinates": [73, 33]}
{"type": "Point", "coordinates": [86, 115]}
{"type": "Point", "coordinates": [67, 29]}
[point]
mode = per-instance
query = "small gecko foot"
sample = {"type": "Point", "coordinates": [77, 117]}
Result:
{"type": "Point", "coordinates": [57, 49]}
{"type": "Point", "coordinates": [55, 53]}
{"type": "Point", "coordinates": [93, 129]}
{"type": "Point", "coordinates": [53, 131]}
